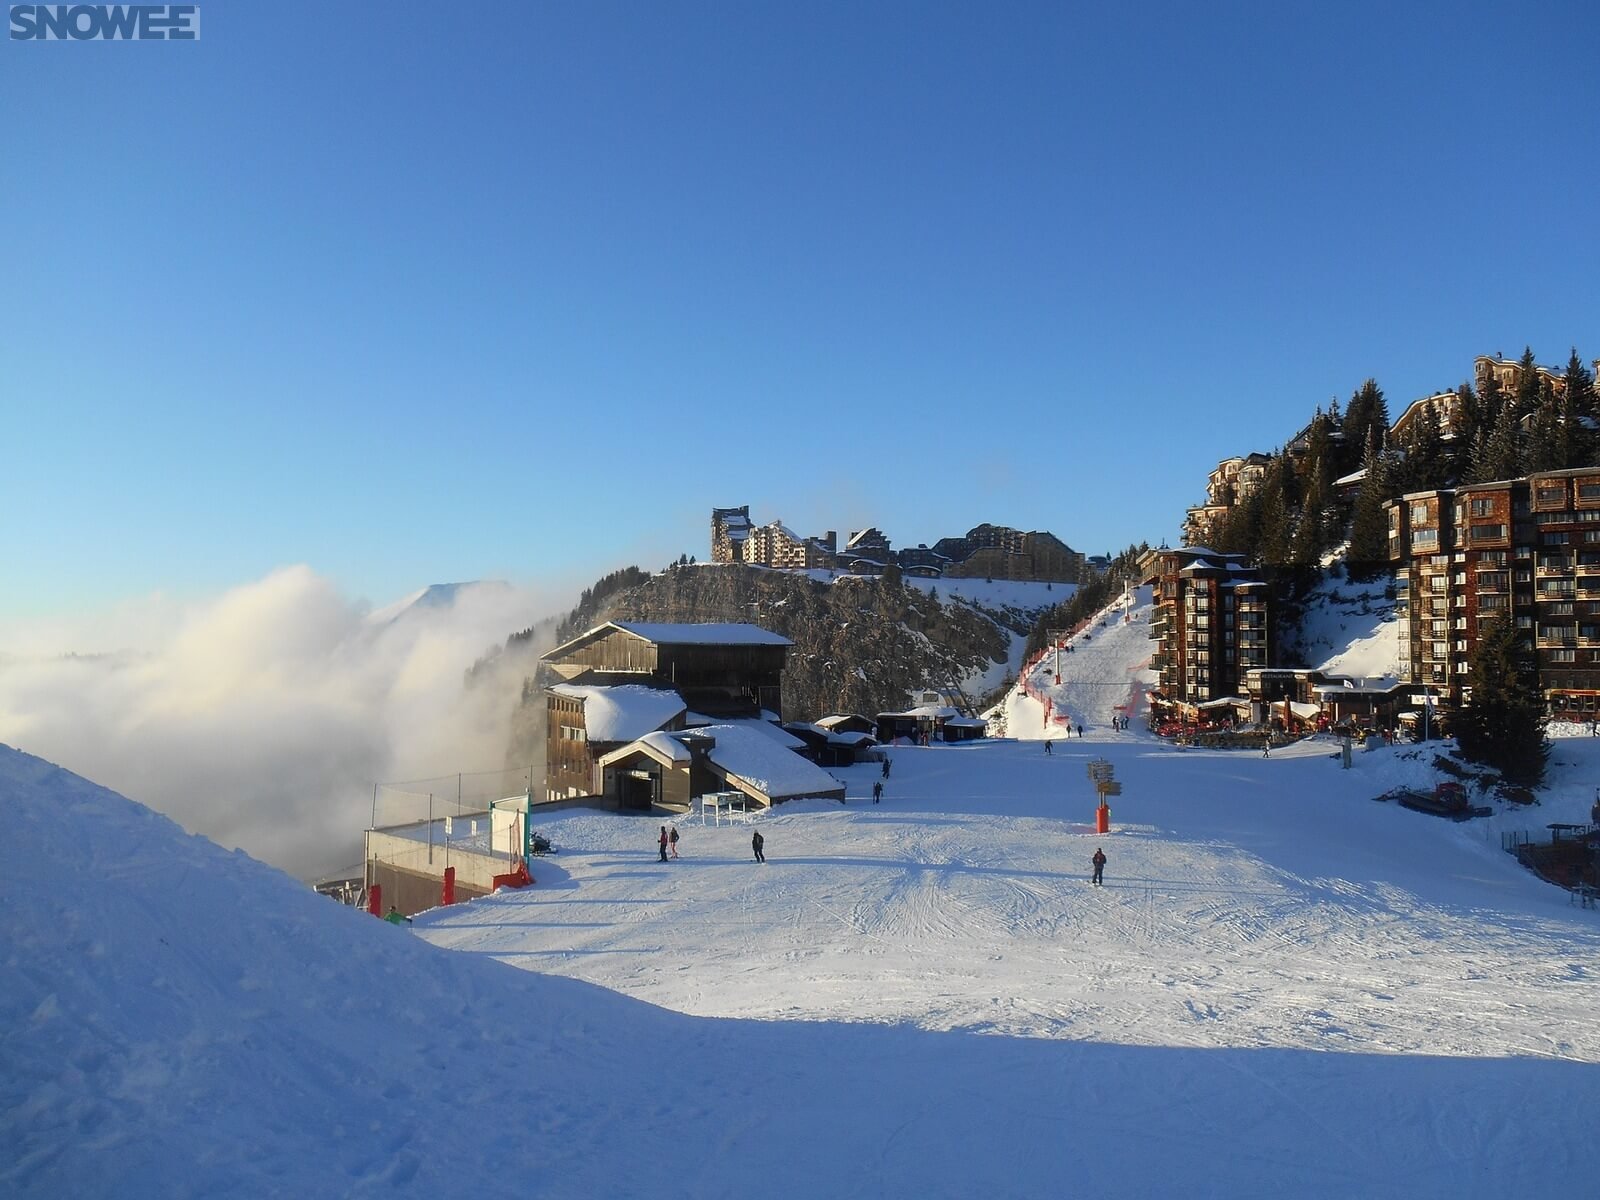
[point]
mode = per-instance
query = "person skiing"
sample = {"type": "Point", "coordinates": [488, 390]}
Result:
{"type": "Point", "coordinates": [1080, 730]}
{"type": "Point", "coordinates": [673, 838]}
{"type": "Point", "coordinates": [877, 791]}
{"type": "Point", "coordinates": [394, 917]}
{"type": "Point", "coordinates": [662, 843]}
{"type": "Point", "coordinates": [886, 767]}
{"type": "Point", "coordinates": [756, 842]}
{"type": "Point", "coordinates": [1048, 742]}
{"type": "Point", "coordinates": [1099, 861]}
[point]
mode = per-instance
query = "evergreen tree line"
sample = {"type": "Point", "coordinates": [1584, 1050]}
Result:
{"type": "Point", "coordinates": [1293, 518]}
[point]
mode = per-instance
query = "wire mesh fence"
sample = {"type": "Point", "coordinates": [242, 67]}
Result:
{"type": "Point", "coordinates": [409, 801]}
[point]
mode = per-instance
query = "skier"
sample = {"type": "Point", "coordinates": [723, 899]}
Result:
{"type": "Point", "coordinates": [886, 766]}
{"type": "Point", "coordinates": [1099, 861]}
{"type": "Point", "coordinates": [662, 843]}
{"type": "Point", "coordinates": [394, 917]}
{"type": "Point", "coordinates": [673, 838]}
{"type": "Point", "coordinates": [1266, 747]}
{"type": "Point", "coordinates": [1080, 730]}
{"type": "Point", "coordinates": [877, 791]}
{"type": "Point", "coordinates": [756, 842]}
{"type": "Point", "coordinates": [1047, 743]}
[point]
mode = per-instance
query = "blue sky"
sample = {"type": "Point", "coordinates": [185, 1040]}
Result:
{"type": "Point", "coordinates": [413, 293]}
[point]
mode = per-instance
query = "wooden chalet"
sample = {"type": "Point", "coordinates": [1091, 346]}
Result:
{"type": "Point", "coordinates": [622, 680]}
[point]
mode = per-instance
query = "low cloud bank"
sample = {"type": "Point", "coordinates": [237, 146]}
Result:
{"type": "Point", "coordinates": [262, 719]}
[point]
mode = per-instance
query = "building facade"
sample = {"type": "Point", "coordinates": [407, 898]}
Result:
{"type": "Point", "coordinates": [1213, 623]}
{"type": "Point", "coordinates": [1527, 549]}
{"type": "Point", "coordinates": [622, 680]}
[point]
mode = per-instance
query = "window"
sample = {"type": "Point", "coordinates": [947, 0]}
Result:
{"type": "Point", "coordinates": [1589, 491]}
{"type": "Point", "coordinates": [1493, 581]}
{"type": "Point", "coordinates": [1488, 533]}
{"type": "Point", "coordinates": [1552, 495]}
{"type": "Point", "coordinates": [1482, 508]}
{"type": "Point", "coordinates": [1563, 656]}
{"type": "Point", "coordinates": [1419, 514]}
{"type": "Point", "coordinates": [1491, 603]}
{"type": "Point", "coordinates": [1425, 537]}
{"type": "Point", "coordinates": [1555, 539]}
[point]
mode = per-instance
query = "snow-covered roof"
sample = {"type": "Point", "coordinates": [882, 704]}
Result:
{"type": "Point", "coordinates": [967, 722]}
{"type": "Point", "coordinates": [829, 722]}
{"type": "Point", "coordinates": [708, 634]}
{"type": "Point", "coordinates": [926, 711]}
{"type": "Point", "coordinates": [623, 713]}
{"type": "Point", "coordinates": [764, 724]}
{"type": "Point", "coordinates": [1303, 711]}
{"type": "Point", "coordinates": [1368, 687]}
{"type": "Point", "coordinates": [1353, 477]}
{"type": "Point", "coordinates": [749, 756]}
{"type": "Point", "coordinates": [664, 746]}
{"type": "Point", "coordinates": [1226, 702]}
{"type": "Point", "coordinates": [850, 739]}
{"type": "Point", "coordinates": [667, 745]}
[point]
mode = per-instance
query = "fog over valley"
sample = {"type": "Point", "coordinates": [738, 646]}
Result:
{"type": "Point", "coordinates": [263, 717]}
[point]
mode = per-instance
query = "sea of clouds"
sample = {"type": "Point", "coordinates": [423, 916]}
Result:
{"type": "Point", "coordinates": [262, 718]}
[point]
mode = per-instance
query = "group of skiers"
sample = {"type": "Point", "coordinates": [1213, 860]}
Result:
{"type": "Point", "coordinates": [667, 841]}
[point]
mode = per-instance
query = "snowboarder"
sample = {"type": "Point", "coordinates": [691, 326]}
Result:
{"type": "Point", "coordinates": [673, 838]}
{"type": "Point", "coordinates": [756, 842]}
{"type": "Point", "coordinates": [1099, 861]}
{"type": "Point", "coordinates": [394, 917]}
{"type": "Point", "coordinates": [877, 791]}
{"type": "Point", "coordinates": [662, 843]}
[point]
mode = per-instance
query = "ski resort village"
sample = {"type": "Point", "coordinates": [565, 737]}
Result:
{"type": "Point", "coordinates": [726, 601]}
{"type": "Point", "coordinates": [1161, 912]}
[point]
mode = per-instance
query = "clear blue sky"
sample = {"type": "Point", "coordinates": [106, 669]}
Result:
{"type": "Point", "coordinates": [421, 292]}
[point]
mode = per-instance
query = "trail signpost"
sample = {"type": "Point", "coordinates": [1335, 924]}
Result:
{"type": "Point", "coordinates": [1100, 774]}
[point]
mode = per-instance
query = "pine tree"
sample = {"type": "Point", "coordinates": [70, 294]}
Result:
{"type": "Point", "coordinates": [1368, 555]}
{"type": "Point", "coordinates": [1276, 508]}
{"type": "Point", "coordinates": [1581, 413]}
{"type": "Point", "coordinates": [1498, 453]}
{"type": "Point", "coordinates": [1367, 412]}
{"type": "Point", "coordinates": [1427, 462]}
{"type": "Point", "coordinates": [1548, 444]}
{"type": "Point", "coordinates": [1503, 725]}
{"type": "Point", "coordinates": [1529, 384]}
{"type": "Point", "coordinates": [1469, 418]}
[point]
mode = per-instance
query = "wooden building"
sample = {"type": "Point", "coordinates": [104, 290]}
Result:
{"type": "Point", "coordinates": [1213, 623]}
{"type": "Point", "coordinates": [624, 679]}
{"type": "Point", "coordinates": [1528, 549]}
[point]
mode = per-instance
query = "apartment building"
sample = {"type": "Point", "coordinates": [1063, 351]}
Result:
{"type": "Point", "coordinates": [1212, 624]}
{"type": "Point", "coordinates": [1526, 548]}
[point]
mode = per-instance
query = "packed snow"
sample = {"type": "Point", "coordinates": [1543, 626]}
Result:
{"type": "Point", "coordinates": [1284, 989]}
{"type": "Point", "coordinates": [1104, 673]}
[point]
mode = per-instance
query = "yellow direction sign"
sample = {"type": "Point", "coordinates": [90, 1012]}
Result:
{"type": "Point", "coordinates": [1110, 788]}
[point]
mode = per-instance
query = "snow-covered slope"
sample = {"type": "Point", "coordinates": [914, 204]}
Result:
{"type": "Point", "coordinates": [1283, 990]}
{"type": "Point", "coordinates": [1104, 674]}
{"type": "Point", "coordinates": [1350, 628]}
